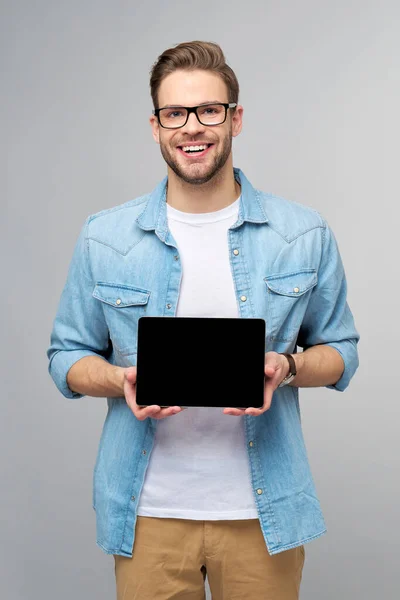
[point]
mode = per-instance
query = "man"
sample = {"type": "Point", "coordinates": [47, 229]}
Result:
{"type": "Point", "coordinates": [181, 494]}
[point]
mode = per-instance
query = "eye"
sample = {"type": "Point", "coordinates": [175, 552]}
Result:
{"type": "Point", "coordinates": [173, 114]}
{"type": "Point", "coordinates": [210, 111]}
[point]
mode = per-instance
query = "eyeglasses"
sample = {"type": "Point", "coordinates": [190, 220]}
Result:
{"type": "Point", "coordinates": [174, 117]}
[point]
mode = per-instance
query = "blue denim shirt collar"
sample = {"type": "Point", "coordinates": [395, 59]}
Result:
{"type": "Point", "coordinates": [154, 215]}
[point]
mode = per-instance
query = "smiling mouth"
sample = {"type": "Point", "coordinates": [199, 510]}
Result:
{"type": "Point", "coordinates": [199, 150]}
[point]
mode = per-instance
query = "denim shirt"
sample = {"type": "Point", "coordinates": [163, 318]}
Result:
{"type": "Point", "coordinates": [286, 269]}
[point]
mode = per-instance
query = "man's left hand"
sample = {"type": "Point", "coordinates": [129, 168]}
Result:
{"type": "Point", "coordinates": [276, 368]}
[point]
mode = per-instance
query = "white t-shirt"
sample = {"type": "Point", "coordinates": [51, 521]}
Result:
{"type": "Point", "coordinates": [199, 466]}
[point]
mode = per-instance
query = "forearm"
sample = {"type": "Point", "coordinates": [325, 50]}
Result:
{"type": "Point", "coordinates": [94, 376]}
{"type": "Point", "coordinates": [318, 366]}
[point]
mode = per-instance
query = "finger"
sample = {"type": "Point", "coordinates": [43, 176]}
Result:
{"type": "Point", "coordinates": [236, 412]}
{"type": "Point", "coordinates": [268, 392]}
{"type": "Point", "coordinates": [168, 412]}
{"type": "Point", "coordinates": [268, 399]}
{"type": "Point", "coordinates": [156, 412]}
{"type": "Point", "coordinates": [130, 397]}
{"type": "Point", "coordinates": [130, 393]}
{"type": "Point", "coordinates": [143, 413]}
{"type": "Point", "coordinates": [254, 412]}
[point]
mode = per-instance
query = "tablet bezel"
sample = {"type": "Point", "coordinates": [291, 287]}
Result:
{"type": "Point", "coordinates": [158, 321]}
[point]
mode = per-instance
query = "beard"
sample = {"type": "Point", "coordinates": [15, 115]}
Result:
{"type": "Point", "coordinates": [196, 174]}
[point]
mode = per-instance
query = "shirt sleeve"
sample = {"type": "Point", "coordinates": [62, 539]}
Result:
{"type": "Point", "coordinates": [328, 319]}
{"type": "Point", "coordinates": [79, 328]}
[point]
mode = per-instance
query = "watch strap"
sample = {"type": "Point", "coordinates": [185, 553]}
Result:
{"type": "Point", "coordinates": [292, 370]}
{"type": "Point", "coordinates": [292, 364]}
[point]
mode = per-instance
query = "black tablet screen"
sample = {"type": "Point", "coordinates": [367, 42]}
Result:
{"type": "Point", "coordinates": [194, 361]}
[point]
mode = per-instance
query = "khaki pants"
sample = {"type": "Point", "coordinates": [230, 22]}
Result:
{"type": "Point", "coordinates": [171, 558]}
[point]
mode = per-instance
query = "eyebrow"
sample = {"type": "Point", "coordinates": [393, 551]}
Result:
{"type": "Point", "coordinates": [202, 104]}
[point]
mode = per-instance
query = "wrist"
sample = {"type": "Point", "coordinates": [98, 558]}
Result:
{"type": "Point", "coordinates": [117, 379]}
{"type": "Point", "coordinates": [299, 362]}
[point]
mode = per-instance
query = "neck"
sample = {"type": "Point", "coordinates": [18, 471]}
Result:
{"type": "Point", "coordinates": [221, 191]}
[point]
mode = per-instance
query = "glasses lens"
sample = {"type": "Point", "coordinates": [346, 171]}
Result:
{"type": "Point", "coordinates": [172, 117]}
{"type": "Point", "coordinates": [211, 114]}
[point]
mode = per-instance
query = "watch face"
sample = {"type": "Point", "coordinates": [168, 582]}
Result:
{"type": "Point", "coordinates": [287, 380]}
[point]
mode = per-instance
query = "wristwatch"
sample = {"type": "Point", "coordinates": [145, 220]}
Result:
{"type": "Point", "coordinates": [292, 370]}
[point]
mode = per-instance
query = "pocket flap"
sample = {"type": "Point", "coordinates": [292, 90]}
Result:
{"type": "Point", "coordinates": [292, 284]}
{"type": "Point", "coordinates": [119, 295]}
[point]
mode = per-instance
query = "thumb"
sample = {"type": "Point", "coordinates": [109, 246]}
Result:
{"type": "Point", "coordinates": [130, 374]}
{"type": "Point", "coordinates": [269, 370]}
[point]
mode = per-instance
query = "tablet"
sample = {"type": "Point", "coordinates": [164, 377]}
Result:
{"type": "Point", "coordinates": [200, 362]}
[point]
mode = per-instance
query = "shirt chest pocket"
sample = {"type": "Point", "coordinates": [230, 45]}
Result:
{"type": "Point", "coordinates": [288, 295]}
{"type": "Point", "coordinates": [123, 305]}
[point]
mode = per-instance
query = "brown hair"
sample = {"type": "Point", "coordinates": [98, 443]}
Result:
{"type": "Point", "coordinates": [207, 56]}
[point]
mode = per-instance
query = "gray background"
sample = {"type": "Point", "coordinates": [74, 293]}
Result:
{"type": "Point", "coordinates": [320, 89]}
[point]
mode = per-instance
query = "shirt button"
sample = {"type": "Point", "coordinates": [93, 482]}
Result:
{"type": "Point", "coordinates": [259, 491]}
{"type": "Point", "coordinates": [118, 301]}
{"type": "Point", "coordinates": [243, 298]}
{"type": "Point", "coordinates": [176, 257]}
{"type": "Point", "coordinates": [296, 289]}
{"type": "Point", "coordinates": [251, 444]}
{"type": "Point", "coordinates": [144, 452]}
{"type": "Point", "coordinates": [169, 305]}
{"type": "Point", "coordinates": [133, 498]}
{"type": "Point", "coordinates": [236, 252]}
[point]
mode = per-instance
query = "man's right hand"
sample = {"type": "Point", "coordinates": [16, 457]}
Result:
{"type": "Point", "coordinates": [141, 413]}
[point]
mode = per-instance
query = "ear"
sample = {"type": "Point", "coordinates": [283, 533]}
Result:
{"type": "Point", "coordinates": [155, 128]}
{"type": "Point", "coordinates": [237, 119]}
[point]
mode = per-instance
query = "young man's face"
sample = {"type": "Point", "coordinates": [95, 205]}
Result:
{"type": "Point", "coordinates": [192, 88]}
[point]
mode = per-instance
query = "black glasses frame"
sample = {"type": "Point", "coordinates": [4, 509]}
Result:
{"type": "Point", "coordinates": [193, 109]}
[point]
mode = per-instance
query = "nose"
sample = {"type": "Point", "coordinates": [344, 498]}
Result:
{"type": "Point", "coordinates": [193, 125]}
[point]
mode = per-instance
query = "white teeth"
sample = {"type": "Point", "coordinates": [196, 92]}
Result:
{"type": "Point", "coordinates": [191, 148]}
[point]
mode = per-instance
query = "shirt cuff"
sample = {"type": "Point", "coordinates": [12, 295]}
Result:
{"type": "Point", "coordinates": [59, 366]}
{"type": "Point", "coordinates": [348, 351]}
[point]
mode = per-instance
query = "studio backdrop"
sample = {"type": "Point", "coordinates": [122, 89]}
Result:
{"type": "Point", "coordinates": [319, 83]}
